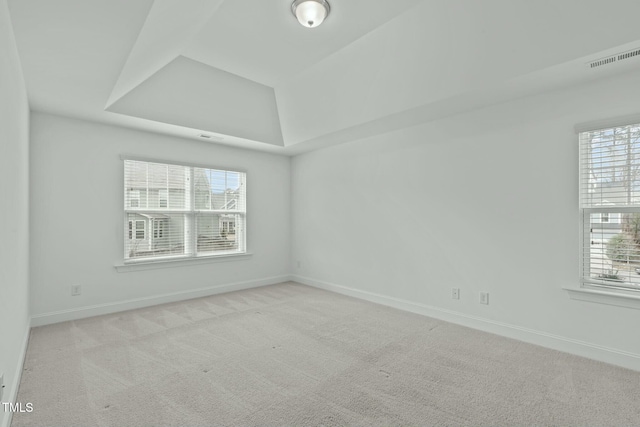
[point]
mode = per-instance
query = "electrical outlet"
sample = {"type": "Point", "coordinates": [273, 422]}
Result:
{"type": "Point", "coordinates": [455, 293]}
{"type": "Point", "coordinates": [76, 290]}
{"type": "Point", "coordinates": [484, 298]}
{"type": "Point", "coordinates": [298, 264]}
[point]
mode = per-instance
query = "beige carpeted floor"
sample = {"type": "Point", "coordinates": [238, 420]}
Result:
{"type": "Point", "coordinates": [291, 355]}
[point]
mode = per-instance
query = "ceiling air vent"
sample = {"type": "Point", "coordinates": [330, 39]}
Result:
{"type": "Point", "coordinates": [629, 54]}
{"type": "Point", "coordinates": [615, 58]}
{"type": "Point", "coordinates": [601, 62]}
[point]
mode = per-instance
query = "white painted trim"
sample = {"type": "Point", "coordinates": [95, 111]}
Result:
{"type": "Point", "coordinates": [619, 299]}
{"type": "Point", "coordinates": [136, 158]}
{"type": "Point", "coordinates": [607, 123]}
{"type": "Point", "coordinates": [178, 262]}
{"type": "Point", "coordinates": [556, 342]}
{"type": "Point", "coordinates": [97, 310]}
{"type": "Point", "coordinates": [17, 377]}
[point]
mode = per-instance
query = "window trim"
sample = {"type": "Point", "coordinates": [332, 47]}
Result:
{"type": "Point", "coordinates": [593, 290]}
{"type": "Point", "coordinates": [606, 123]}
{"type": "Point", "coordinates": [134, 157]}
{"type": "Point", "coordinates": [601, 296]}
{"type": "Point", "coordinates": [156, 263]}
{"type": "Point", "coordinates": [124, 264]}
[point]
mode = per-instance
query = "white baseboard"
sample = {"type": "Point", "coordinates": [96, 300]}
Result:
{"type": "Point", "coordinates": [97, 310]}
{"type": "Point", "coordinates": [556, 342]}
{"type": "Point", "coordinates": [15, 385]}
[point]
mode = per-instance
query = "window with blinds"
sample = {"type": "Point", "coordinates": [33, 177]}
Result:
{"type": "Point", "coordinates": [176, 211]}
{"type": "Point", "coordinates": [610, 206]}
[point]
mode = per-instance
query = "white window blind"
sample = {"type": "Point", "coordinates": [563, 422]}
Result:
{"type": "Point", "coordinates": [176, 211]}
{"type": "Point", "coordinates": [610, 206]}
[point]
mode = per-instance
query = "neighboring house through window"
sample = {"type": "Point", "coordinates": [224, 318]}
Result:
{"type": "Point", "coordinates": [134, 198]}
{"type": "Point", "coordinates": [228, 226]}
{"type": "Point", "coordinates": [610, 206]}
{"type": "Point", "coordinates": [163, 198]}
{"type": "Point", "coordinates": [140, 230]}
{"type": "Point", "coordinates": [158, 228]}
{"type": "Point", "coordinates": [198, 211]}
{"type": "Point", "coordinates": [137, 230]}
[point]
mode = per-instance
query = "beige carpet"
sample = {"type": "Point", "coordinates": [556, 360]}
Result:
{"type": "Point", "coordinates": [290, 355]}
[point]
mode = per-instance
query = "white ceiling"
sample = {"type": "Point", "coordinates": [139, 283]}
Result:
{"type": "Point", "coordinates": [245, 72]}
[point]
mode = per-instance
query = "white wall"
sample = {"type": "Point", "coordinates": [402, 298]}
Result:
{"type": "Point", "coordinates": [76, 222]}
{"type": "Point", "coordinates": [14, 210]}
{"type": "Point", "coordinates": [484, 201]}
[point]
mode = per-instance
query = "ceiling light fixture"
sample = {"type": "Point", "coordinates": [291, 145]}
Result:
{"type": "Point", "coordinates": [310, 13]}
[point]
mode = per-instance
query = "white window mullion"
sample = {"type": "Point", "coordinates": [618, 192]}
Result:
{"type": "Point", "coordinates": [241, 231]}
{"type": "Point", "coordinates": [146, 189]}
{"type": "Point", "coordinates": [190, 233]}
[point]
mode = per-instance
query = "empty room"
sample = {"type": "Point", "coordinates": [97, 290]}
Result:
{"type": "Point", "coordinates": [319, 213]}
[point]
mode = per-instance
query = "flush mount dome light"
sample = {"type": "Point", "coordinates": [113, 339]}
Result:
{"type": "Point", "coordinates": [310, 13]}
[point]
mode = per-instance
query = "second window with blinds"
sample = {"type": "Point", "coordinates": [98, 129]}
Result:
{"type": "Point", "coordinates": [181, 212]}
{"type": "Point", "coordinates": [610, 206]}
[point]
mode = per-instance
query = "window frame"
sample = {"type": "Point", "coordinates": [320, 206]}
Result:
{"type": "Point", "coordinates": [190, 256]}
{"type": "Point", "coordinates": [600, 290]}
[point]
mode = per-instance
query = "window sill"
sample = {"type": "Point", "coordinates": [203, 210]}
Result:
{"type": "Point", "coordinates": [620, 299]}
{"type": "Point", "coordinates": [178, 262]}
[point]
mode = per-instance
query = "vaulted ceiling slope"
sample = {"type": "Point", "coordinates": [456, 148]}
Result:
{"type": "Point", "coordinates": [245, 73]}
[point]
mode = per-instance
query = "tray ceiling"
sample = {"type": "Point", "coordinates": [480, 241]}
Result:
{"type": "Point", "coordinates": [247, 73]}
